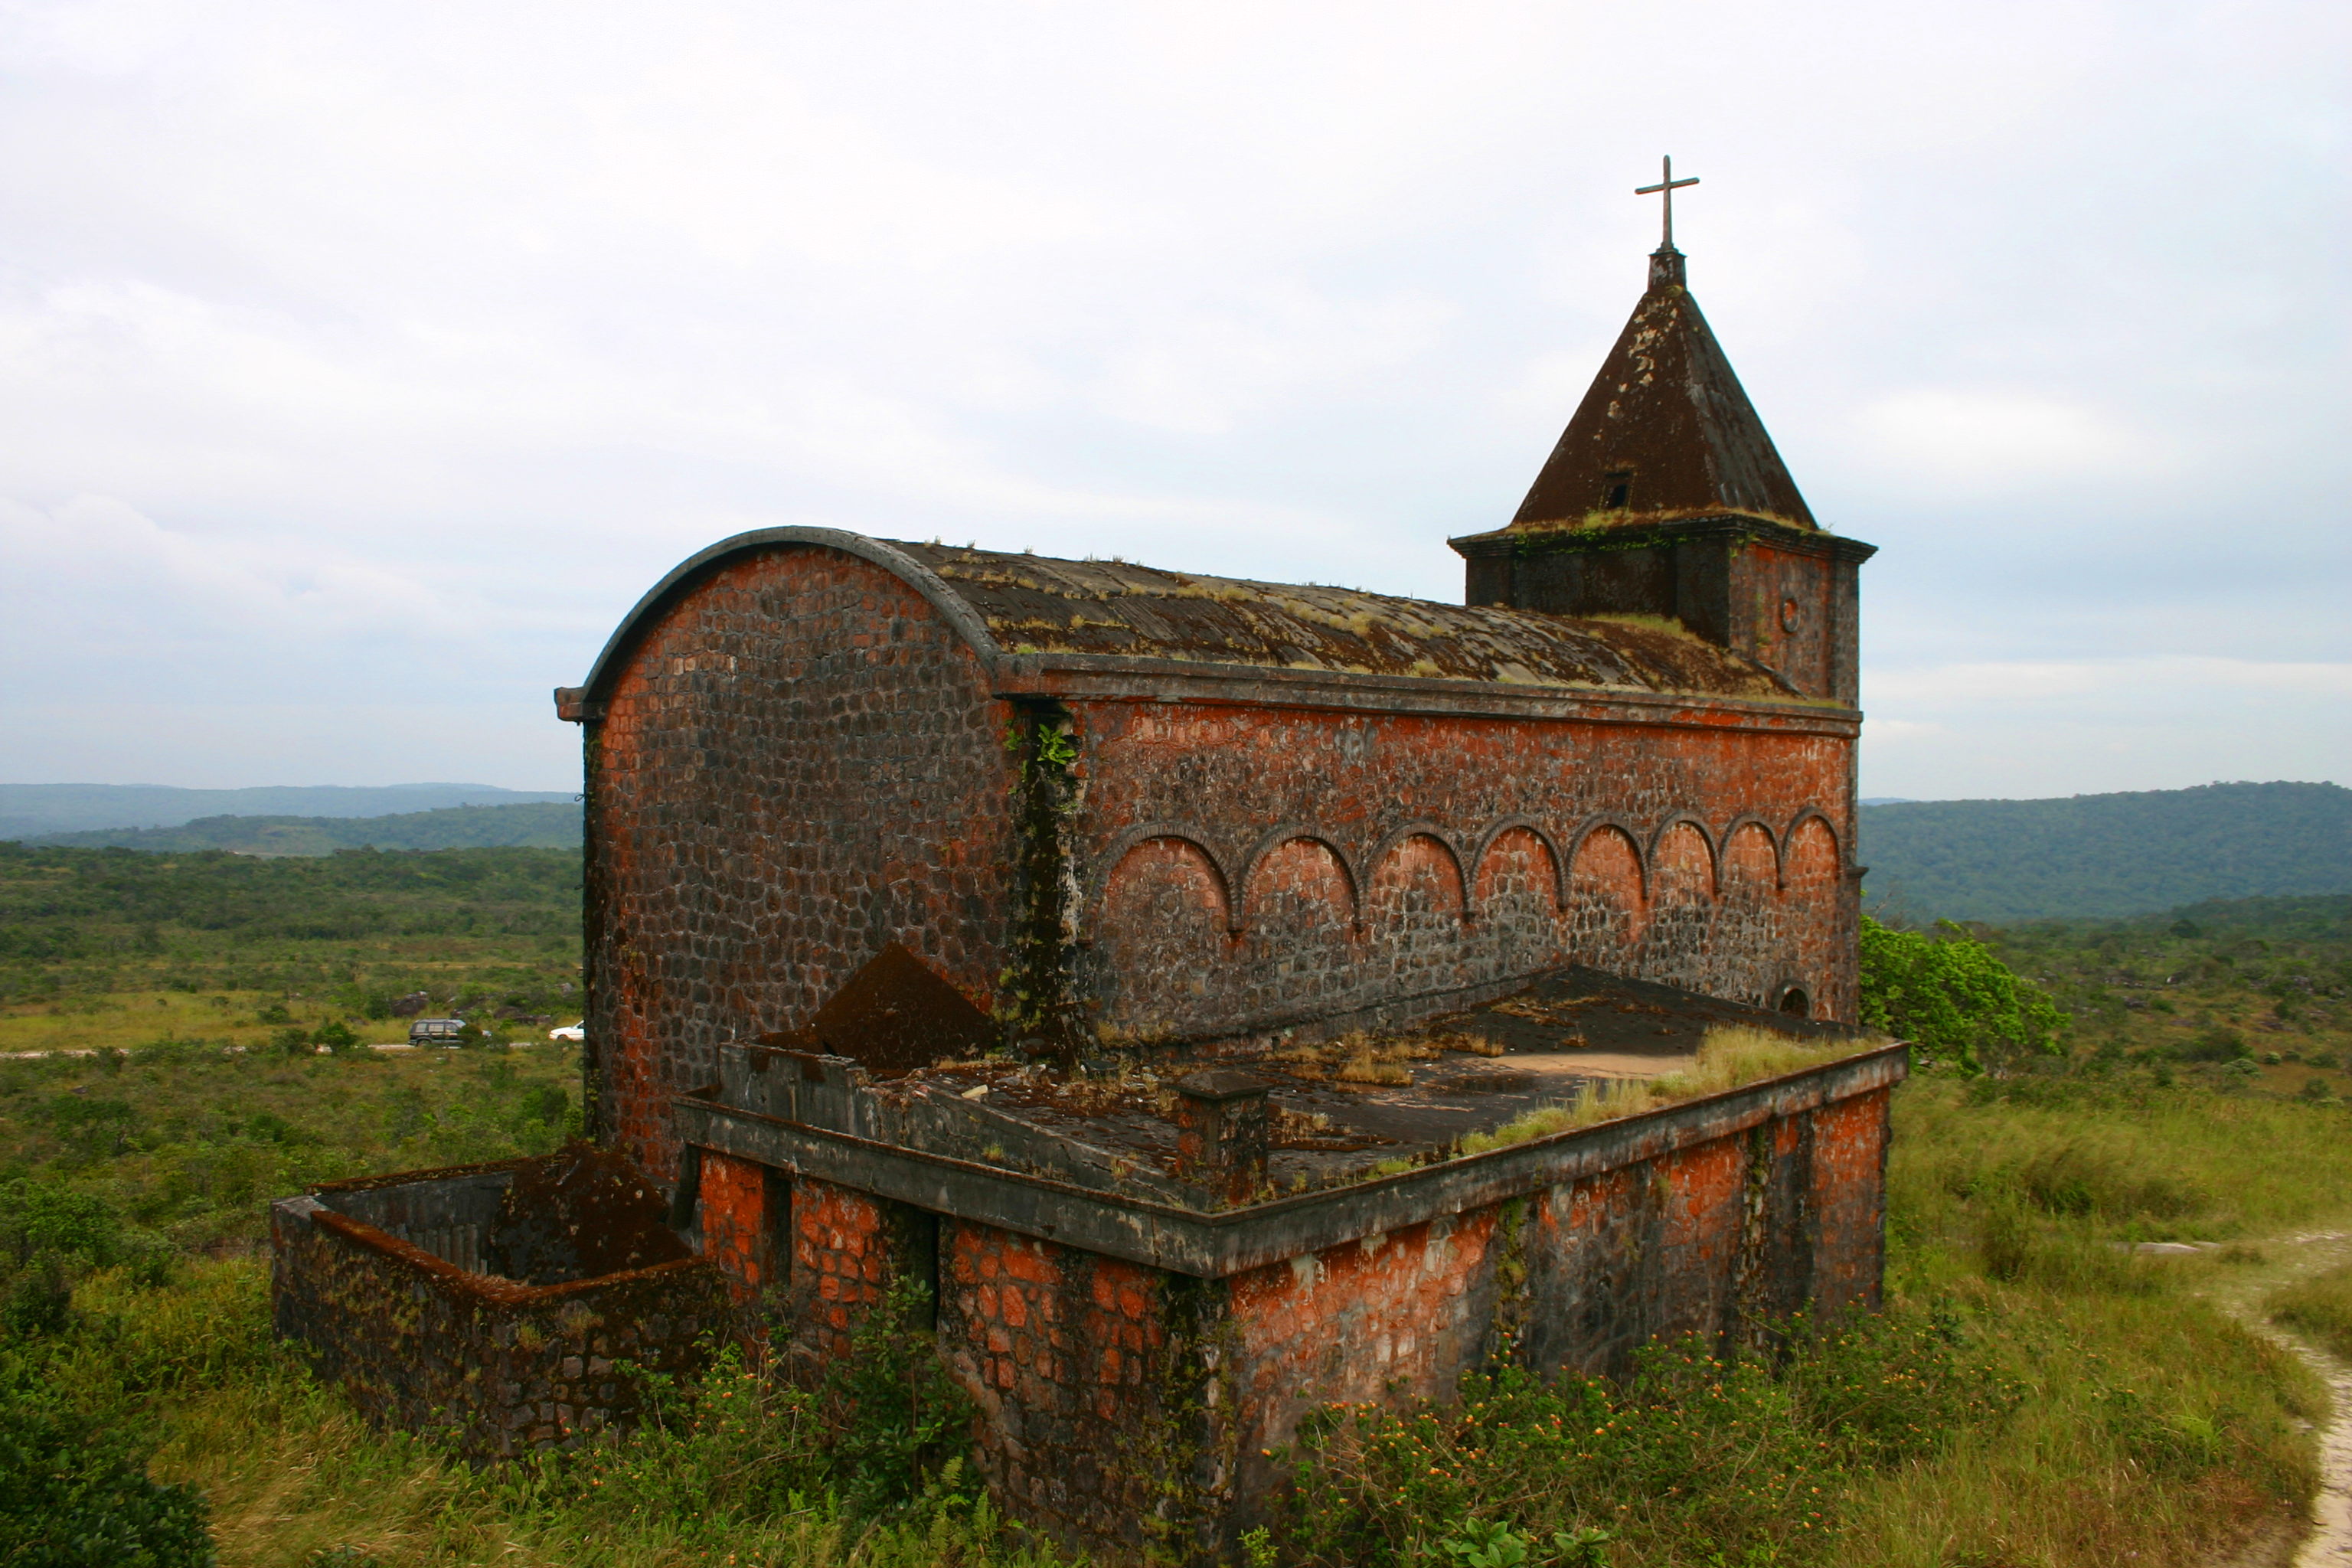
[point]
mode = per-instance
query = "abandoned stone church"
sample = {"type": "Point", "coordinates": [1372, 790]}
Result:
{"type": "Point", "coordinates": [1142, 962]}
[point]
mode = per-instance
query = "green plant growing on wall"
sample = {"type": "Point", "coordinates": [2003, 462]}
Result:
{"type": "Point", "coordinates": [1037, 991]}
{"type": "Point", "coordinates": [1949, 994]}
{"type": "Point", "coordinates": [902, 1424]}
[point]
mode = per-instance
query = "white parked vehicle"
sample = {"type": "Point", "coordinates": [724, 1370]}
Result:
{"type": "Point", "coordinates": [575, 1033]}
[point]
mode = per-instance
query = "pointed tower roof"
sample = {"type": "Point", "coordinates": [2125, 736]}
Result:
{"type": "Point", "coordinates": [1666, 431]}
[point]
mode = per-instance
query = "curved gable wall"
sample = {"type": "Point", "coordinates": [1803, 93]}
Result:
{"type": "Point", "coordinates": [798, 761]}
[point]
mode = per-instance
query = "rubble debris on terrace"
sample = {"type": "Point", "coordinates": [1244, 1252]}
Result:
{"type": "Point", "coordinates": [1336, 1110]}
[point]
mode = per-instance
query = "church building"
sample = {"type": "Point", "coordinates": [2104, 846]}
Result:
{"type": "Point", "coordinates": [1141, 964]}
{"type": "Point", "coordinates": [1116, 806]}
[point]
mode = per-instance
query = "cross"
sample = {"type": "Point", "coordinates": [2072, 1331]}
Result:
{"type": "Point", "coordinates": [1667, 186]}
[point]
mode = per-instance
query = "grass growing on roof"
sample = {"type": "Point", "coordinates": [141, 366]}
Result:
{"type": "Point", "coordinates": [1730, 1056]}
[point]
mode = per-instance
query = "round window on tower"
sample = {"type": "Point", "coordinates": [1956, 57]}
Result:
{"type": "Point", "coordinates": [1788, 615]}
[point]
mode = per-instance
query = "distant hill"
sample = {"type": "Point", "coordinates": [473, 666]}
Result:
{"type": "Point", "coordinates": [28, 811]}
{"type": "Point", "coordinates": [2106, 855]}
{"type": "Point", "coordinates": [540, 825]}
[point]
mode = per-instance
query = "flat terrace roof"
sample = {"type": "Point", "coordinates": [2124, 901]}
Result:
{"type": "Point", "coordinates": [1346, 1107]}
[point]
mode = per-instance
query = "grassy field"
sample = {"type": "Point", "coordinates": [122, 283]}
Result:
{"type": "Point", "coordinates": [2033, 1395]}
{"type": "Point", "coordinates": [2319, 1308]}
{"type": "Point", "coordinates": [98, 939]}
{"type": "Point", "coordinates": [2036, 1392]}
{"type": "Point", "coordinates": [130, 1020]}
{"type": "Point", "coordinates": [2260, 978]}
{"type": "Point", "coordinates": [186, 1143]}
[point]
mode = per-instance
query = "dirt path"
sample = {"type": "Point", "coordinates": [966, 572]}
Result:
{"type": "Point", "coordinates": [2329, 1544]}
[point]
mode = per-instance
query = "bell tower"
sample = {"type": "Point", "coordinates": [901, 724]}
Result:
{"type": "Point", "coordinates": [1666, 498]}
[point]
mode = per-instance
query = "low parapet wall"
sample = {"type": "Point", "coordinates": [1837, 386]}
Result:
{"type": "Point", "coordinates": [1132, 1360]}
{"type": "Point", "coordinates": [422, 1340]}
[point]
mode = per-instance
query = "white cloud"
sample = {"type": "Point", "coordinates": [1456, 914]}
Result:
{"type": "Point", "coordinates": [2062, 727]}
{"type": "Point", "coordinates": [1200, 370]}
{"type": "Point", "coordinates": [1995, 439]}
{"type": "Point", "coordinates": [398, 349]}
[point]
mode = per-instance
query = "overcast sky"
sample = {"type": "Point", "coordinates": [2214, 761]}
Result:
{"type": "Point", "coordinates": [360, 364]}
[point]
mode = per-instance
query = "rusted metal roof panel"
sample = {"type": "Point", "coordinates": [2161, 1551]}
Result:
{"type": "Point", "coordinates": [1665, 432]}
{"type": "Point", "coordinates": [1035, 604]}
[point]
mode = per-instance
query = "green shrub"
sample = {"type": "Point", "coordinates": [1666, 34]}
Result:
{"type": "Point", "coordinates": [2215, 1045]}
{"type": "Point", "coordinates": [1691, 1449]}
{"type": "Point", "coordinates": [90, 1126]}
{"type": "Point", "coordinates": [902, 1425]}
{"type": "Point", "coordinates": [1950, 996]}
{"type": "Point", "coordinates": [74, 1489]}
{"type": "Point", "coordinates": [49, 1222]}
{"type": "Point", "coordinates": [546, 1104]}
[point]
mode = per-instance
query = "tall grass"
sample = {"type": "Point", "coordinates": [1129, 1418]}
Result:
{"type": "Point", "coordinates": [2320, 1306]}
{"type": "Point", "coordinates": [2034, 1393]}
{"type": "Point", "coordinates": [2057, 1399]}
{"type": "Point", "coordinates": [1730, 1056]}
{"type": "Point", "coordinates": [734, 1475]}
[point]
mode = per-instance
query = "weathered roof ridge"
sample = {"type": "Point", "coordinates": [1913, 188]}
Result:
{"type": "Point", "coordinates": [1004, 604]}
{"type": "Point", "coordinates": [1665, 432]}
{"type": "Point", "coordinates": [1043, 605]}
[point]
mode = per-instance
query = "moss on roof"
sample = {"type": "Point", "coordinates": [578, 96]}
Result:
{"type": "Point", "coordinates": [1035, 604]}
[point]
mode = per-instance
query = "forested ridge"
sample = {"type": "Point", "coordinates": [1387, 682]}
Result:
{"type": "Point", "coordinates": [87, 922]}
{"type": "Point", "coordinates": [553, 825]}
{"type": "Point", "coordinates": [2105, 855]}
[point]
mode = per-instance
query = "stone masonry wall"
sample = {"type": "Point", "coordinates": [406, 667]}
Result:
{"type": "Point", "coordinates": [1717, 1237]}
{"type": "Point", "coordinates": [495, 1367]}
{"type": "Point", "coordinates": [1251, 868]}
{"type": "Point", "coordinates": [745, 1210]}
{"type": "Point", "coordinates": [800, 761]}
{"type": "Point", "coordinates": [1128, 1408]}
{"type": "Point", "coordinates": [1091, 1375]}
{"type": "Point", "coordinates": [799, 764]}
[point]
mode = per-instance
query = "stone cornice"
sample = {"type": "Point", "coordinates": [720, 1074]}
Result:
{"type": "Point", "coordinates": [1525, 542]}
{"type": "Point", "coordinates": [1106, 678]}
{"type": "Point", "coordinates": [1215, 1245]}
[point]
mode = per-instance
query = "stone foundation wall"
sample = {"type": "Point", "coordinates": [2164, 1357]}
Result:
{"type": "Point", "coordinates": [494, 1366]}
{"type": "Point", "coordinates": [1090, 1374]}
{"type": "Point", "coordinates": [1127, 1407]}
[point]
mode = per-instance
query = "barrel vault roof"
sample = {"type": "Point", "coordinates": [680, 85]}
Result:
{"type": "Point", "coordinates": [1039, 604]}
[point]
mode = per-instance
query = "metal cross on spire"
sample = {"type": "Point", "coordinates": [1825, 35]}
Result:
{"type": "Point", "coordinates": [1666, 187]}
